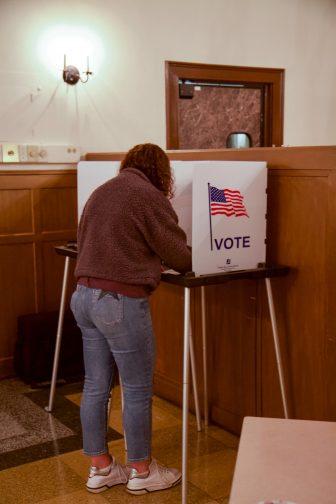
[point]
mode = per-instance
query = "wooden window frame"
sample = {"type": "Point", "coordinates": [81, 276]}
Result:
{"type": "Point", "coordinates": [271, 79]}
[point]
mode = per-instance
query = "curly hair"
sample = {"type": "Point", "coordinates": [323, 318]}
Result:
{"type": "Point", "coordinates": [154, 163]}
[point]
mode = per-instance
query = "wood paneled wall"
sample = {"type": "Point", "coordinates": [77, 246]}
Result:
{"type": "Point", "coordinates": [301, 233]}
{"type": "Point", "coordinates": [38, 209]}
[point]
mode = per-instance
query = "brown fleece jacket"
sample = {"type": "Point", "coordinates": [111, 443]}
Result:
{"type": "Point", "coordinates": [127, 227]}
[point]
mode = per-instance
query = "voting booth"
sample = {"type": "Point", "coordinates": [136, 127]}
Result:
{"type": "Point", "coordinates": [221, 205]}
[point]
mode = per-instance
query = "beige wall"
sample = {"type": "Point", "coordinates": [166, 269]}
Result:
{"type": "Point", "coordinates": [125, 103]}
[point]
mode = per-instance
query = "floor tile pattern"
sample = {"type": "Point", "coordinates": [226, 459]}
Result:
{"type": "Point", "coordinates": [60, 479]}
{"type": "Point", "coordinates": [28, 433]}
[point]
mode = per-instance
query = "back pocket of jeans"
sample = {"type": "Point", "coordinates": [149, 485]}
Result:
{"type": "Point", "coordinates": [109, 309]}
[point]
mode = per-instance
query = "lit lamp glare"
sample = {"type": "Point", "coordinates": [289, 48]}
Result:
{"type": "Point", "coordinates": [75, 45]}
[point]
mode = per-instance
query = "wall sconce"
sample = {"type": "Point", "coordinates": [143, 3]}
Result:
{"type": "Point", "coordinates": [71, 73]}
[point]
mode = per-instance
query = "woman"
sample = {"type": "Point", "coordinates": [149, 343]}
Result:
{"type": "Point", "coordinates": [127, 229]}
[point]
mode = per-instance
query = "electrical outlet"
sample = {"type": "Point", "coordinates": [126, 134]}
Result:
{"type": "Point", "coordinates": [43, 155]}
{"type": "Point", "coordinates": [62, 153]}
{"type": "Point", "coordinates": [10, 153]}
{"type": "Point", "coordinates": [32, 153]}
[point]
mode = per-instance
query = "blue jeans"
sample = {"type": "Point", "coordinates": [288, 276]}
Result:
{"type": "Point", "coordinates": [117, 331]}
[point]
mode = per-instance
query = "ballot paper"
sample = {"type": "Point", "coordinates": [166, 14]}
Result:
{"type": "Point", "coordinates": [276, 501]}
{"type": "Point", "coordinates": [171, 272]}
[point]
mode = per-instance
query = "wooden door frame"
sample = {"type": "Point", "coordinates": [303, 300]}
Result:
{"type": "Point", "coordinates": [271, 78]}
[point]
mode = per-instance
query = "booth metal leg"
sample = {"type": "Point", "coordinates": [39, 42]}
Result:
{"type": "Point", "coordinates": [205, 359]}
{"type": "Point", "coordinates": [194, 382]}
{"type": "Point", "coordinates": [185, 407]}
{"type": "Point", "coordinates": [277, 346]}
{"type": "Point", "coordinates": [50, 406]}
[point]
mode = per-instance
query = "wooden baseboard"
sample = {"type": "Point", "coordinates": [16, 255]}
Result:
{"type": "Point", "coordinates": [171, 390]}
{"type": "Point", "coordinates": [6, 367]}
{"type": "Point", "coordinates": [168, 389]}
{"type": "Point", "coordinates": [227, 420]}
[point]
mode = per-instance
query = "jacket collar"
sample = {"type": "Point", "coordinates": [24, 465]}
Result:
{"type": "Point", "coordinates": [136, 172]}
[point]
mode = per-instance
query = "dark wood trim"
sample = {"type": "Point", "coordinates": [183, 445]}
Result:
{"type": "Point", "coordinates": [291, 157]}
{"type": "Point", "coordinates": [37, 171]}
{"type": "Point", "coordinates": [272, 79]}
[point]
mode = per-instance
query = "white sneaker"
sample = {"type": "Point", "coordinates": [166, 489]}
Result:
{"type": "Point", "coordinates": [102, 479]}
{"type": "Point", "coordinates": [158, 478]}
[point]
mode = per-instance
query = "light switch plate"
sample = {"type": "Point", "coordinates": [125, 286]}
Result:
{"type": "Point", "coordinates": [10, 153]}
{"type": "Point", "coordinates": [39, 154]}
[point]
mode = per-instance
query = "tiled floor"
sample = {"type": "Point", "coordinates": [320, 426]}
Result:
{"type": "Point", "coordinates": [28, 433]}
{"type": "Point", "coordinates": [60, 479]}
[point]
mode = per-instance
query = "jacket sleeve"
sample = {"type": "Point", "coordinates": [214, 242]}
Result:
{"type": "Point", "coordinates": [165, 237]}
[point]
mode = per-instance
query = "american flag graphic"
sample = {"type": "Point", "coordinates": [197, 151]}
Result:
{"type": "Point", "coordinates": [227, 202]}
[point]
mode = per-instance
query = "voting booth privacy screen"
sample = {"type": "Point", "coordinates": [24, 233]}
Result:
{"type": "Point", "coordinates": [90, 175]}
{"type": "Point", "coordinates": [221, 205]}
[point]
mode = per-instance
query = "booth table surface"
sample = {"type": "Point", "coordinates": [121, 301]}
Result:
{"type": "Point", "coordinates": [189, 280]}
{"type": "Point", "coordinates": [288, 460]}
